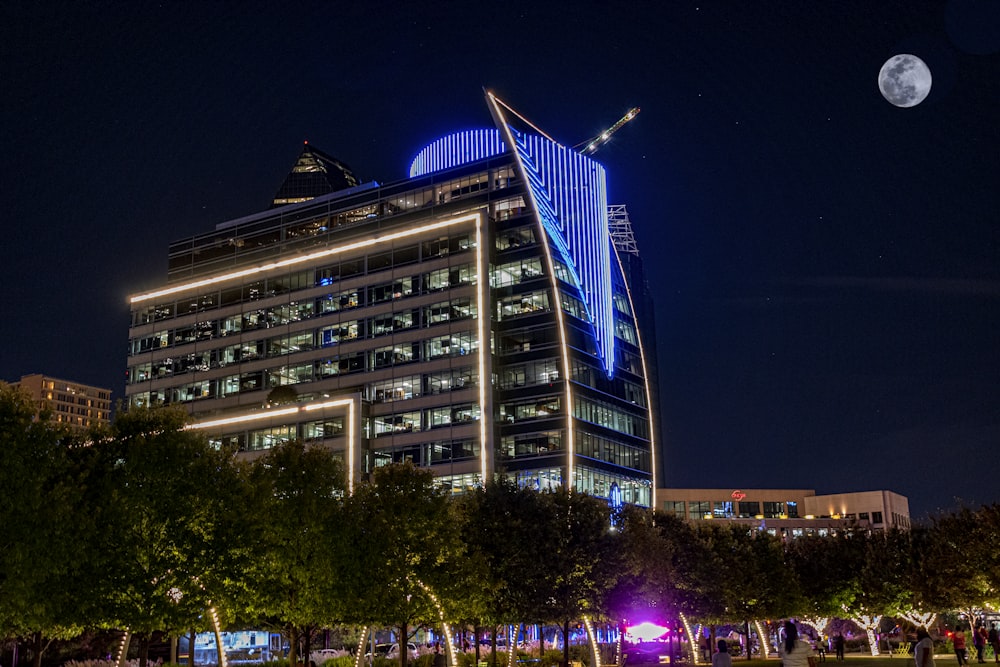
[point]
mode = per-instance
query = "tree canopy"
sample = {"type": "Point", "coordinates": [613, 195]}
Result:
{"type": "Point", "coordinates": [146, 524]}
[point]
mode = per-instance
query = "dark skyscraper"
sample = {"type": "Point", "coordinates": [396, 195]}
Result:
{"type": "Point", "coordinates": [315, 173]}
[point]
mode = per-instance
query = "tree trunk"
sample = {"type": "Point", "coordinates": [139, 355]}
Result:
{"type": "Point", "coordinates": [144, 649]}
{"type": "Point", "coordinates": [307, 645]}
{"type": "Point", "coordinates": [746, 627]}
{"type": "Point", "coordinates": [476, 629]}
{"type": "Point", "coordinates": [37, 648]}
{"type": "Point", "coordinates": [293, 646]}
{"type": "Point", "coordinates": [493, 644]}
{"type": "Point", "coordinates": [192, 636]}
{"type": "Point", "coordinates": [173, 649]}
{"type": "Point", "coordinates": [566, 643]}
{"type": "Point", "coordinates": [403, 636]}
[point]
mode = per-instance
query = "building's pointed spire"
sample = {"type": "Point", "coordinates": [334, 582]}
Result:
{"type": "Point", "coordinates": [315, 173]}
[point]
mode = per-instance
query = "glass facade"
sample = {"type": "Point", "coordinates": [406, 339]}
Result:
{"type": "Point", "coordinates": [427, 320]}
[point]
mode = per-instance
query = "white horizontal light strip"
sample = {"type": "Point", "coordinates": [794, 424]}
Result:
{"type": "Point", "coordinates": [253, 416]}
{"type": "Point", "coordinates": [214, 280]}
{"type": "Point", "coordinates": [328, 404]}
{"type": "Point", "coordinates": [256, 416]}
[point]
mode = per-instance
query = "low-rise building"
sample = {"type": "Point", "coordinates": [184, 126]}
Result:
{"type": "Point", "coordinates": [73, 404]}
{"type": "Point", "coordinates": [789, 512]}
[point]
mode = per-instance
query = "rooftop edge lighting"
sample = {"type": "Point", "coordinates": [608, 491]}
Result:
{"type": "Point", "coordinates": [300, 259]}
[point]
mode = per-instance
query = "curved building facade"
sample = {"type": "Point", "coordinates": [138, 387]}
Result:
{"type": "Point", "coordinates": [473, 319]}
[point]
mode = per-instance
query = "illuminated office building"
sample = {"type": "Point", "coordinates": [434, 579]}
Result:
{"type": "Point", "coordinates": [72, 404]}
{"type": "Point", "coordinates": [473, 318]}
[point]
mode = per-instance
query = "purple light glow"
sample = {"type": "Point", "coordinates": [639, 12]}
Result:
{"type": "Point", "coordinates": [645, 632]}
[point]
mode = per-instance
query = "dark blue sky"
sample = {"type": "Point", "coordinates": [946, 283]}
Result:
{"type": "Point", "coordinates": [826, 265]}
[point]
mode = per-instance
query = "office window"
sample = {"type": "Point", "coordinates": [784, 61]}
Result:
{"type": "Point", "coordinates": [792, 509]}
{"type": "Point", "coordinates": [773, 510]}
{"type": "Point", "coordinates": [749, 509]}
{"type": "Point", "coordinates": [722, 509]}
{"type": "Point", "coordinates": [876, 517]}
{"type": "Point", "coordinates": [324, 428]}
{"type": "Point", "coordinates": [530, 444]}
{"type": "Point", "coordinates": [697, 509]}
{"type": "Point", "coordinates": [674, 507]}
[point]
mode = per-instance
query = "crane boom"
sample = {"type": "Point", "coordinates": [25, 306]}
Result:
{"type": "Point", "coordinates": [591, 145]}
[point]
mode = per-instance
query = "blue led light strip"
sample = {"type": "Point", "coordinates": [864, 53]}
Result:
{"type": "Point", "coordinates": [457, 149]}
{"type": "Point", "coordinates": [571, 196]}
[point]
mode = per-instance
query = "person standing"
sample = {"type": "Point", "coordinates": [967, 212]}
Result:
{"type": "Point", "coordinates": [794, 652]}
{"type": "Point", "coordinates": [722, 657]}
{"type": "Point", "coordinates": [838, 646]}
{"type": "Point", "coordinates": [994, 638]}
{"type": "Point", "coordinates": [958, 642]}
{"type": "Point", "coordinates": [923, 651]}
{"type": "Point", "coordinates": [979, 640]}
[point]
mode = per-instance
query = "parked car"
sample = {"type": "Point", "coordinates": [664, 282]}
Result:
{"type": "Point", "coordinates": [411, 651]}
{"type": "Point", "coordinates": [380, 651]}
{"type": "Point", "coordinates": [320, 656]}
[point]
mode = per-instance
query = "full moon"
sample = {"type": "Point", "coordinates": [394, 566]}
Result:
{"type": "Point", "coordinates": [905, 80]}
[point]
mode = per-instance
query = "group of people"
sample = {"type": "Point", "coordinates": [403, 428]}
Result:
{"type": "Point", "coordinates": [981, 638]}
{"type": "Point", "coordinates": [793, 651]}
{"type": "Point", "coordinates": [796, 653]}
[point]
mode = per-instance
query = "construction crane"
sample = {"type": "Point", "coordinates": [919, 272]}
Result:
{"type": "Point", "coordinates": [590, 146]}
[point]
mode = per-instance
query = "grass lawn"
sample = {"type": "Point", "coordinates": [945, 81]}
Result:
{"type": "Point", "coordinates": [854, 660]}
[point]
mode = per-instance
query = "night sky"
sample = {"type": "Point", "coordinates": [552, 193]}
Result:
{"type": "Point", "coordinates": [825, 264]}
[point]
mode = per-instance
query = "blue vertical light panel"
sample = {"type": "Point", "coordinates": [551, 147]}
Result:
{"type": "Point", "coordinates": [456, 149]}
{"type": "Point", "coordinates": [571, 193]}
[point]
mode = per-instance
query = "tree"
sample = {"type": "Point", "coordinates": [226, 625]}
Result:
{"type": "Point", "coordinates": [403, 527]}
{"type": "Point", "coordinates": [654, 547]}
{"type": "Point", "coordinates": [500, 526]}
{"type": "Point", "coordinates": [297, 509]}
{"type": "Point", "coordinates": [880, 563]}
{"type": "Point", "coordinates": [40, 556]}
{"type": "Point", "coordinates": [751, 581]}
{"type": "Point", "coordinates": [958, 561]}
{"type": "Point", "coordinates": [160, 495]}
{"type": "Point", "coordinates": [582, 561]}
{"type": "Point", "coordinates": [825, 576]}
